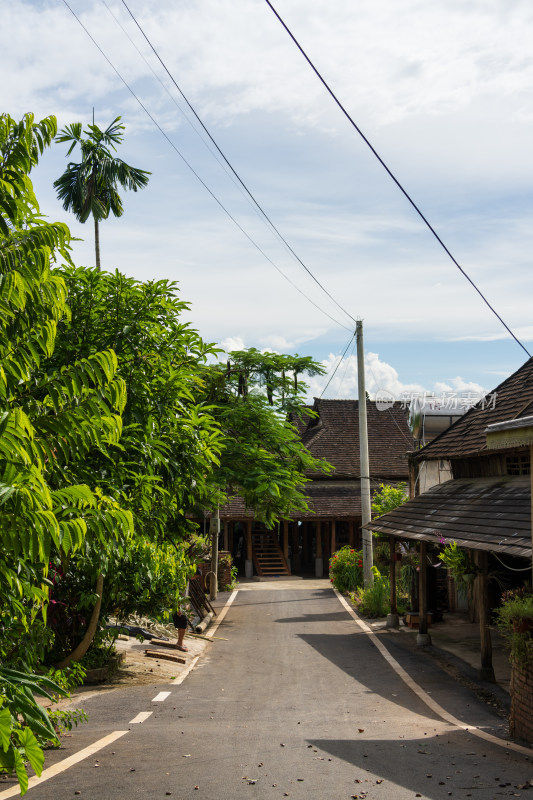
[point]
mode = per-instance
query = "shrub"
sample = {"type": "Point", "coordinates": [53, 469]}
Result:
{"type": "Point", "coordinates": [517, 609]}
{"type": "Point", "coordinates": [346, 569]}
{"type": "Point", "coordinates": [374, 601]}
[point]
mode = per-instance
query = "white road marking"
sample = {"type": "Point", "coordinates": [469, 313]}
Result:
{"type": "Point", "coordinates": [141, 716]}
{"type": "Point", "coordinates": [423, 695]}
{"type": "Point", "coordinates": [212, 630]}
{"type": "Point", "coordinates": [51, 772]}
{"type": "Point", "coordinates": [160, 697]}
{"type": "Point", "coordinates": [209, 633]}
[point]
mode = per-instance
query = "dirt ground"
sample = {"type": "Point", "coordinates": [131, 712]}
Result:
{"type": "Point", "coordinates": [138, 669]}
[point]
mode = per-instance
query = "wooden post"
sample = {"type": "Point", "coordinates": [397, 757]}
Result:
{"type": "Point", "coordinates": [214, 530]}
{"type": "Point", "coordinates": [351, 539]}
{"type": "Point", "coordinates": [333, 536]}
{"type": "Point", "coordinates": [286, 539]}
{"type": "Point", "coordinates": [392, 554]}
{"type": "Point", "coordinates": [296, 567]}
{"type": "Point", "coordinates": [305, 542]}
{"type": "Point", "coordinates": [486, 671]}
{"type": "Point", "coordinates": [226, 536]}
{"type": "Point", "coordinates": [248, 565]}
{"type": "Point", "coordinates": [319, 560]}
{"type": "Point", "coordinates": [319, 538]}
{"type": "Point", "coordinates": [393, 619]}
{"type": "Point", "coordinates": [423, 637]}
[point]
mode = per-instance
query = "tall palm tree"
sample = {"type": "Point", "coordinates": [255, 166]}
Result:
{"type": "Point", "coordinates": [90, 187]}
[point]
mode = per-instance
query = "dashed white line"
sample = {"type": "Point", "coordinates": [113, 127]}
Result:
{"type": "Point", "coordinates": [141, 716]}
{"type": "Point", "coordinates": [51, 772]}
{"type": "Point", "coordinates": [160, 697]}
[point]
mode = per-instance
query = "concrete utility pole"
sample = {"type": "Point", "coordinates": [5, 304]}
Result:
{"type": "Point", "coordinates": [368, 558]}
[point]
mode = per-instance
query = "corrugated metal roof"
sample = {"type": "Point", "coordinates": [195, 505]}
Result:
{"type": "Point", "coordinates": [479, 513]}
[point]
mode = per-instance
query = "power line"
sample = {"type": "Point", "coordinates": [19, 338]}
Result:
{"type": "Point", "coordinates": [180, 109]}
{"type": "Point", "coordinates": [352, 337]}
{"type": "Point", "coordinates": [196, 175]}
{"type": "Point", "coordinates": [391, 175]}
{"type": "Point", "coordinates": [235, 173]}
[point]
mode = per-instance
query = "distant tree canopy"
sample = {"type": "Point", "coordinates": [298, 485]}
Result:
{"type": "Point", "coordinates": [263, 458]}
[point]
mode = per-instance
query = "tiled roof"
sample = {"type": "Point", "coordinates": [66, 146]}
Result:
{"type": "Point", "coordinates": [334, 435]}
{"type": "Point", "coordinates": [512, 399]}
{"type": "Point", "coordinates": [339, 499]}
{"type": "Point", "coordinates": [479, 513]}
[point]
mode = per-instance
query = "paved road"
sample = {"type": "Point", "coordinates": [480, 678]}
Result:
{"type": "Point", "coordinates": [297, 703]}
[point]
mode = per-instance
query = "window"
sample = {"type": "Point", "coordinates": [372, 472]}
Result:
{"type": "Point", "coordinates": [517, 465]}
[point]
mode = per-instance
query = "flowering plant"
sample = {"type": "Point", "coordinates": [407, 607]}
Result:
{"type": "Point", "coordinates": [346, 569]}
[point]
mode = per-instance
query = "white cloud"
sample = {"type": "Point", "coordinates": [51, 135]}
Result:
{"type": "Point", "coordinates": [381, 377]}
{"type": "Point", "coordinates": [459, 386]}
{"type": "Point", "coordinates": [232, 343]}
{"type": "Point", "coordinates": [443, 91]}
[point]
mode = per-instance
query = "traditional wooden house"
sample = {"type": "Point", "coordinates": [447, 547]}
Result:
{"type": "Point", "coordinates": [304, 543]}
{"type": "Point", "coordinates": [474, 493]}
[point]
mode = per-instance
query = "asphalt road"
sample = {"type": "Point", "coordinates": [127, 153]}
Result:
{"type": "Point", "coordinates": [299, 703]}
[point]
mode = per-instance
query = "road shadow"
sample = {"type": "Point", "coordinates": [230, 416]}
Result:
{"type": "Point", "coordinates": [438, 766]}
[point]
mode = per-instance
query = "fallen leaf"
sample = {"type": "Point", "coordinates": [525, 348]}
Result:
{"type": "Point", "coordinates": [361, 730]}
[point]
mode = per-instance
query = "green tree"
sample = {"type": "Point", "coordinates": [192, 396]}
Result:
{"type": "Point", "coordinates": [170, 442]}
{"type": "Point", "coordinates": [263, 458]}
{"type": "Point", "coordinates": [89, 187]}
{"type": "Point", "coordinates": [388, 497]}
{"type": "Point", "coordinates": [48, 420]}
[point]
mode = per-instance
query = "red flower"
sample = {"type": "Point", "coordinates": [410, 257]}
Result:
{"type": "Point", "coordinates": [359, 563]}
{"type": "Point", "coordinates": [352, 551]}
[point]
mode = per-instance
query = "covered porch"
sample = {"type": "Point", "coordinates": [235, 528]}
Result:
{"type": "Point", "coordinates": [490, 517]}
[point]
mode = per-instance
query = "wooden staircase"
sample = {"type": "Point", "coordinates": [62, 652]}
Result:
{"type": "Point", "coordinates": [269, 561]}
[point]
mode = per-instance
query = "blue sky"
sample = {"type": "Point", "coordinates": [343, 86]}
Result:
{"type": "Point", "coordinates": [443, 90]}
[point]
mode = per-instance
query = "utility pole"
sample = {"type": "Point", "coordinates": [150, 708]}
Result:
{"type": "Point", "coordinates": [368, 558]}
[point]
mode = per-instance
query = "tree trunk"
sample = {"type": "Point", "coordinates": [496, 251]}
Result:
{"type": "Point", "coordinates": [86, 642]}
{"type": "Point", "coordinates": [97, 243]}
{"type": "Point", "coordinates": [214, 530]}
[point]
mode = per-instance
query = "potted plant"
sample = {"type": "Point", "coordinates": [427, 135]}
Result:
{"type": "Point", "coordinates": [515, 620]}
{"type": "Point", "coordinates": [458, 562]}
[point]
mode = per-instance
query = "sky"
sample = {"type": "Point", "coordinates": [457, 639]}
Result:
{"type": "Point", "coordinates": [443, 91]}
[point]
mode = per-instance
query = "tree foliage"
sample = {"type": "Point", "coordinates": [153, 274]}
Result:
{"type": "Point", "coordinates": [263, 458]}
{"type": "Point", "coordinates": [170, 442]}
{"type": "Point", "coordinates": [49, 418]}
